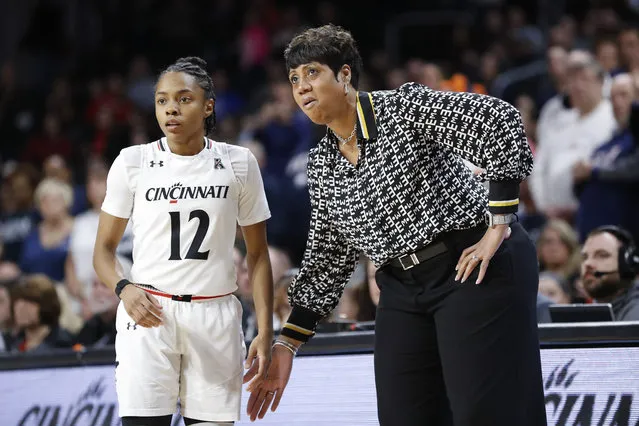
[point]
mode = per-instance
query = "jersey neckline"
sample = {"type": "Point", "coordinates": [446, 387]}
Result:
{"type": "Point", "coordinates": [163, 146]}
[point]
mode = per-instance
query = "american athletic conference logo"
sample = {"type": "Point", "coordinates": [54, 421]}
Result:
{"type": "Point", "coordinates": [177, 192]}
{"type": "Point", "coordinates": [566, 408]}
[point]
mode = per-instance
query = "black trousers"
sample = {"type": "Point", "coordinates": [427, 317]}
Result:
{"type": "Point", "coordinates": [457, 354]}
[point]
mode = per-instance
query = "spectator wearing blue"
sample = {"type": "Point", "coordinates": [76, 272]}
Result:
{"type": "Point", "coordinates": [46, 247]}
{"type": "Point", "coordinates": [281, 128]}
{"type": "Point", "coordinates": [608, 182]}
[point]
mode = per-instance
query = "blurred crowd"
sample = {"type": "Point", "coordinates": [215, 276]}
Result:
{"type": "Point", "coordinates": [73, 96]}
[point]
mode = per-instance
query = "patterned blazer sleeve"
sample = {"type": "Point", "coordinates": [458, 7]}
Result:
{"type": "Point", "coordinates": [328, 263]}
{"type": "Point", "coordinates": [482, 129]}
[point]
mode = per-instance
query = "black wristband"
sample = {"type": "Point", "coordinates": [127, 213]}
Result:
{"type": "Point", "coordinates": [120, 286]}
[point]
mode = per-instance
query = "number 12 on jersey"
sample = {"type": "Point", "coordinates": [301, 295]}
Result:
{"type": "Point", "coordinates": [194, 252]}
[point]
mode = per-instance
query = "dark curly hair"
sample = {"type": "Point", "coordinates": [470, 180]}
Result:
{"type": "Point", "coordinates": [330, 45]}
{"type": "Point", "coordinates": [197, 67]}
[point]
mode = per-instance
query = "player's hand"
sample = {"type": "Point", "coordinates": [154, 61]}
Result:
{"type": "Point", "coordinates": [142, 307]}
{"type": "Point", "coordinates": [258, 360]}
{"type": "Point", "coordinates": [272, 388]}
{"type": "Point", "coordinates": [481, 253]}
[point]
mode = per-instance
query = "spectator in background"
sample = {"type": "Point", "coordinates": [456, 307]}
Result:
{"type": "Point", "coordinates": [543, 313]}
{"type": "Point", "coordinates": [529, 216]}
{"type": "Point", "coordinates": [281, 127]}
{"type": "Point", "coordinates": [395, 78]}
{"type": "Point", "coordinates": [611, 252]}
{"type": "Point", "coordinates": [555, 112]}
{"type": "Point", "coordinates": [51, 141]}
{"type": "Point", "coordinates": [555, 287]}
{"type": "Point", "coordinates": [607, 194]}
{"type": "Point", "coordinates": [373, 288]}
{"type": "Point", "coordinates": [107, 136]}
{"type": "Point", "coordinates": [113, 98]}
{"type": "Point", "coordinates": [228, 102]}
{"type": "Point", "coordinates": [281, 306]}
{"type": "Point", "coordinates": [141, 84]}
{"type": "Point", "coordinates": [280, 265]}
{"type": "Point", "coordinates": [629, 50]}
{"type": "Point", "coordinates": [526, 106]}
{"type": "Point", "coordinates": [593, 124]}
{"type": "Point", "coordinates": [558, 249]}
{"type": "Point", "coordinates": [19, 216]}
{"type": "Point", "coordinates": [36, 312]}
{"type": "Point", "coordinates": [279, 194]}
{"type": "Point", "coordinates": [429, 75]}
{"type": "Point", "coordinates": [99, 330]}
{"type": "Point", "coordinates": [5, 316]}
{"type": "Point", "coordinates": [46, 247]}
{"type": "Point", "coordinates": [489, 68]}
{"type": "Point", "coordinates": [56, 167]}
{"type": "Point", "coordinates": [79, 273]}
{"type": "Point", "coordinates": [60, 100]}
{"type": "Point", "coordinates": [254, 46]}
{"type": "Point", "coordinates": [607, 54]}
{"type": "Point", "coordinates": [9, 278]}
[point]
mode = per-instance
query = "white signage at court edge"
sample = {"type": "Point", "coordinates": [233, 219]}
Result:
{"type": "Point", "coordinates": [585, 387]}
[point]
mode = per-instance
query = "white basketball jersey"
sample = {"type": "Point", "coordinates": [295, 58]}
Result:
{"type": "Point", "coordinates": [184, 212]}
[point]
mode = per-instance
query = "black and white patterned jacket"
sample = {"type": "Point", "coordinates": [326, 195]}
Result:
{"type": "Point", "coordinates": [410, 184]}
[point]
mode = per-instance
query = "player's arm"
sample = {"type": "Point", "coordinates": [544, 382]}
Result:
{"type": "Point", "coordinates": [253, 212]}
{"type": "Point", "coordinates": [110, 231]}
{"type": "Point", "coordinates": [260, 276]}
{"type": "Point", "coordinates": [142, 307]}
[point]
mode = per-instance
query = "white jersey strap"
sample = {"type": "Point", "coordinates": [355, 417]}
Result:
{"type": "Point", "coordinates": [224, 159]}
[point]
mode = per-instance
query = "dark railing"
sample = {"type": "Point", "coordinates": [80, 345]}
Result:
{"type": "Point", "coordinates": [552, 336]}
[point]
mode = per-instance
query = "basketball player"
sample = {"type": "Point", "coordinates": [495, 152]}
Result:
{"type": "Point", "coordinates": [178, 324]}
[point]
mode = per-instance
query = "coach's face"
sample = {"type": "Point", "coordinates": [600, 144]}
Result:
{"type": "Point", "coordinates": [180, 106]}
{"type": "Point", "coordinates": [318, 92]}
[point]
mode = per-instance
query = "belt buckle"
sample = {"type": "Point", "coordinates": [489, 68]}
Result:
{"type": "Point", "coordinates": [412, 257]}
{"type": "Point", "coordinates": [181, 297]}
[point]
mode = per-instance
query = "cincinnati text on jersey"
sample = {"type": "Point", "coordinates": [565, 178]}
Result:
{"type": "Point", "coordinates": [179, 192]}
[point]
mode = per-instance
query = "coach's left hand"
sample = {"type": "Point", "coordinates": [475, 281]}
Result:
{"type": "Point", "coordinates": [481, 253]}
{"type": "Point", "coordinates": [258, 360]}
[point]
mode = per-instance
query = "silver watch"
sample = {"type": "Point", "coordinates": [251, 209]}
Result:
{"type": "Point", "coordinates": [500, 219]}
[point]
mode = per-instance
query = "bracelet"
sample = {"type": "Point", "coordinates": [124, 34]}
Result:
{"type": "Point", "coordinates": [120, 286]}
{"type": "Point", "coordinates": [287, 345]}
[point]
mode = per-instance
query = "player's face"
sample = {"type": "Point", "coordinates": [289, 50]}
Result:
{"type": "Point", "coordinates": [180, 107]}
{"type": "Point", "coordinates": [317, 92]}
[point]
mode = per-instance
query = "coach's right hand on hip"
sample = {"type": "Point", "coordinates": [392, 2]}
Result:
{"type": "Point", "coordinates": [142, 307]}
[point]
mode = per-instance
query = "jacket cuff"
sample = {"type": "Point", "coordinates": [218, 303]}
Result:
{"type": "Point", "coordinates": [301, 324]}
{"type": "Point", "coordinates": [503, 197]}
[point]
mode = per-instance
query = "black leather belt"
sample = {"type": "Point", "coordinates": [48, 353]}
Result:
{"type": "Point", "coordinates": [408, 261]}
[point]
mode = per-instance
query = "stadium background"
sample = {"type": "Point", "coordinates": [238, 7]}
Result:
{"type": "Point", "coordinates": [76, 86]}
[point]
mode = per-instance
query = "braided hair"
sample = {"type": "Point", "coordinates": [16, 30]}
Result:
{"type": "Point", "coordinates": [196, 67]}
